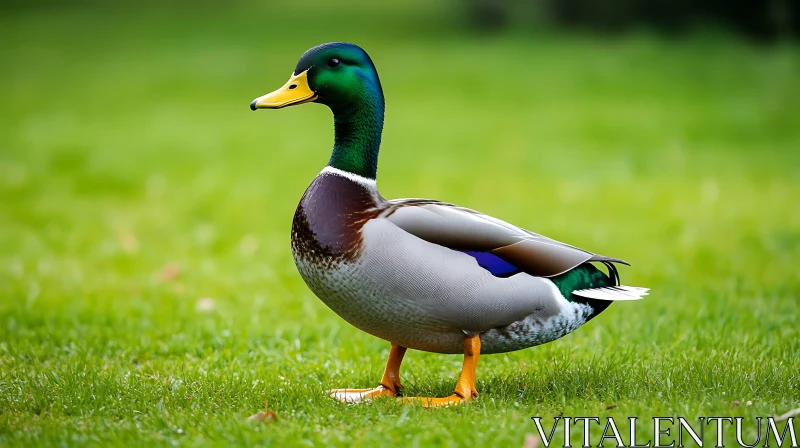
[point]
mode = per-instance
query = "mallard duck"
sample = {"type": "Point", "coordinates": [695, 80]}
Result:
{"type": "Point", "coordinates": [419, 273]}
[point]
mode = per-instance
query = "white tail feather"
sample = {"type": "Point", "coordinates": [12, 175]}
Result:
{"type": "Point", "coordinates": [613, 293]}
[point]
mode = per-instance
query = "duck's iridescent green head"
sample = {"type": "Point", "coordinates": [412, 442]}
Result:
{"type": "Point", "coordinates": [339, 75]}
{"type": "Point", "coordinates": [342, 77]}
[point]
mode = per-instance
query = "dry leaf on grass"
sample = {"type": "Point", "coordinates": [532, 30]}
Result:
{"type": "Point", "coordinates": [263, 416]}
{"type": "Point", "coordinates": [169, 272]}
{"type": "Point", "coordinates": [531, 441]}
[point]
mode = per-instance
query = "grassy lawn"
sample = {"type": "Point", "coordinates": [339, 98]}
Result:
{"type": "Point", "coordinates": [147, 290]}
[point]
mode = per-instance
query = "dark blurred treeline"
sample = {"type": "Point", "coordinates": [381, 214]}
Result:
{"type": "Point", "coordinates": [758, 19]}
{"type": "Point", "coordinates": [763, 20]}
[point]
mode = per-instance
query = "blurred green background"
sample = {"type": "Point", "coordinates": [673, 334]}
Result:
{"type": "Point", "coordinates": [147, 290]}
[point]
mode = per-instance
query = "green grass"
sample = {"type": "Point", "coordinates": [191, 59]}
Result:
{"type": "Point", "coordinates": [127, 145]}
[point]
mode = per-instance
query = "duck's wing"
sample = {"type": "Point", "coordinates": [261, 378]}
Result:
{"type": "Point", "coordinates": [491, 241]}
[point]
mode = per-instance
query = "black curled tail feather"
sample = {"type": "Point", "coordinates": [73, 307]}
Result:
{"type": "Point", "coordinates": [613, 273]}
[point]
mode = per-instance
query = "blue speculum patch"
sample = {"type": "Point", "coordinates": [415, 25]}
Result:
{"type": "Point", "coordinates": [492, 263]}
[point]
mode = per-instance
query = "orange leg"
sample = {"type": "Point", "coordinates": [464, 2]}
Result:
{"type": "Point", "coordinates": [390, 384]}
{"type": "Point", "coordinates": [465, 388]}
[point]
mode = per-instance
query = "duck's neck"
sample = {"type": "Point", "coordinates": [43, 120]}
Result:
{"type": "Point", "coordinates": [357, 136]}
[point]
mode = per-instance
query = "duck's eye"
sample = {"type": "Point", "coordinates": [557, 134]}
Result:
{"type": "Point", "coordinates": [333, 62]}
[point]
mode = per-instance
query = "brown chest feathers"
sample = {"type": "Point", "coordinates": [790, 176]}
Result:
{"type": "Point", "coordinates": [327, 223]}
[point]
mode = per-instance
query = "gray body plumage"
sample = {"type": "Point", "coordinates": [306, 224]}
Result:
{"type": "Point", "coordinates": [401, 286]}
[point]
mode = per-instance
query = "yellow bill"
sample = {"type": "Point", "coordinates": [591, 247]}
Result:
{"type": "Point", "coordinates": [295, 91]}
